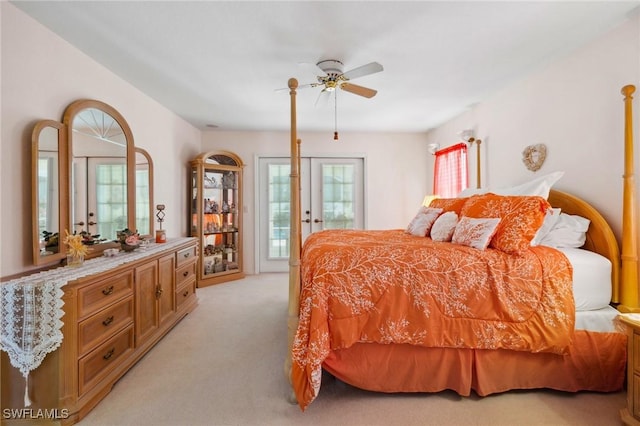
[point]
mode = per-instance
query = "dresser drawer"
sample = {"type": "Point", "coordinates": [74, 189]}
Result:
{"type": "Point", "coordinates": [185, 273]}
{"type": "Point", "coordinates": [98, 363]}
{"type": "Point", "coordinates": [100, 294]}
{"type": "Point", "coordinates": [98, 327]}
{"type": "Point", "coordinates": [185, 256]}
{"type": "Point", "coordinates": [185, 292]}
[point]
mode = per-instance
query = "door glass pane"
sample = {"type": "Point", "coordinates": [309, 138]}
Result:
{"type": "Point", "coordinates": [338, 194]}
{"type": "Point", "coordinates": [278, 189]}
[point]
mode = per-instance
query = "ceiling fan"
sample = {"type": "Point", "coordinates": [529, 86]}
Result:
{"type": "Point", "coordinates": [331, 77]}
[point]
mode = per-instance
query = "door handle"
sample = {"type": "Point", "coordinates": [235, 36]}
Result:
{"type": "Point", "coordinates": [317, 220]}
{"type": "Point", "coordinates": [306, 220]}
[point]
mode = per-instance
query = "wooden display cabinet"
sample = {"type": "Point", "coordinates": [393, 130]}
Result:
{"type": "Point", "coordinates": [216, 216]}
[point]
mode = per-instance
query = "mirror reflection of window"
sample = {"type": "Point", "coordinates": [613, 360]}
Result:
{"type": "Point", "coordinates": [108, 178]}
{"type": "Point", "coordinates": [99, 175]}
{"type": "Point", "coordinates": [143, 221]}
{"type": "Point", "coordinates": [47, 180]}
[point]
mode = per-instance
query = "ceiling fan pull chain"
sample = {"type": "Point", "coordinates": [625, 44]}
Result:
{"type": "Point", "coordinates": [335, 133]}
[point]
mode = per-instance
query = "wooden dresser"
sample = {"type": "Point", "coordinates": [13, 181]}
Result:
{"type": "Point", "coordinates": [631, 414]}
{"type": "Point", "coordinates": [111, 319]}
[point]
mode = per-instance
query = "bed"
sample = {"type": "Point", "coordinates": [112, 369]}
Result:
{"type": "Point", "coordinates": [389, 311]}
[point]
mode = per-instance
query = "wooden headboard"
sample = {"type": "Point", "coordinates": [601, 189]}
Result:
{"type": "Point", "coordinates": [600, 236]}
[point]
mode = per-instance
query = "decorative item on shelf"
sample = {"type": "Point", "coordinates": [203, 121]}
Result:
{"type": "Point", "coordinates": [533, 156]}
{"type": "Point", "coordinates": [76, 250]}
{"type": "Point", "coordinates": [228, 181]}
{"type": "Point", "coordinates": [129, 240]}
{"type": "Point", "coordinates": [161, 235]}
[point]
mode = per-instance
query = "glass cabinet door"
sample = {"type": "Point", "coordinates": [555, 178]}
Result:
{"type": "Point", "coordinates": [216, 216]}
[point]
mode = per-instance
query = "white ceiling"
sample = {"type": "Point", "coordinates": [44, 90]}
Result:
{"type": "Point", "coordinates": [219, 63]}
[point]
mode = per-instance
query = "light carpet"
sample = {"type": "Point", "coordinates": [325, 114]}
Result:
{"type": "Point", "coordinates": [224, 365]}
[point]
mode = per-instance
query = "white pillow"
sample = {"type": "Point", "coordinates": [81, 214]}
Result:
{"type": "Point", "coordinates": [468, 192]}
{"type": "Point", "coordinates": [550, 219]}
{"type": "Point", "coordinates": [420, 225]}
{"type": "Point", "coordinates": [539, 186]}
{"type": "Point", "coordinates": [569, 231]}
{"type": "Point", "coordinates": [475, 232]}
{"type": "Point", "coordinates": [443, 227]}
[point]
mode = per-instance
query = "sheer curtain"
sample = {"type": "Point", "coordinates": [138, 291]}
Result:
{"type": "Point", "coordinates": [450, 171]}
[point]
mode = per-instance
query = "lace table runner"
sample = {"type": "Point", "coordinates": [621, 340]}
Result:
{"type": "Point", "coordinates": [31, 307]}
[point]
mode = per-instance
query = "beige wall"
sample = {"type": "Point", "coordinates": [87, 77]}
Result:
{"type": "Point", "coordinates": [574, 106]}
{"type": "Point", "coordinates": [41, 75]}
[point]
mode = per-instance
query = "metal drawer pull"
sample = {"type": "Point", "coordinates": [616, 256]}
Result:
{"type": "Point", "coordinates": [187, 254]}
{"type": "Point", "coordinates": [108, 321]}
{"type": "Point", "coordinates": [109, 354]}
{"type": "Point", "coordinates": [107, 291]}
{"type": "Point", "coordinates": [185, 273]}
{"type": "Point", "coordinates": [185, 294]}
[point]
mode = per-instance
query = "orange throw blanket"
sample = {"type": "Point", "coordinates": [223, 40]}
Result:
{"type": "Point", "coordinates": [392, 287]}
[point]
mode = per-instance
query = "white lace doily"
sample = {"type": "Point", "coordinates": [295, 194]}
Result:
{"type": "Point", "coordinates": [31, 307]}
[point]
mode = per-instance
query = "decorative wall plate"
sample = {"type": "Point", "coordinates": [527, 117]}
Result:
{"type": "Point", "coordinates": [533, 156]}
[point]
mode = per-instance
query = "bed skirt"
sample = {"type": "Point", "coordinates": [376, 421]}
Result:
{"type": "Point", "coordinates": [596, 362]}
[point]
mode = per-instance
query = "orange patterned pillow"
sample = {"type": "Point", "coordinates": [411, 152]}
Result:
{"type": "Point", "coordinates": [448, 204]}
{"type": "Point", "coordinates": [521, 217]}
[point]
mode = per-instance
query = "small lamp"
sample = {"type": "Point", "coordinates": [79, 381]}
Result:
{"type": "Point", "coordinates": [161, 235]}
{"type": "Point", "coordinates": [428, 199]}
{"type": "Point", "coordinates": [467, 135]}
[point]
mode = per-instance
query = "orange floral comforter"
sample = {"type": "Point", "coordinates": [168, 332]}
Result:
{"type": "Point", "coordinates": [391, 287]}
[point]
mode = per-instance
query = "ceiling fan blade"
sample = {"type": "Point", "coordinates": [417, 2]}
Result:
{"type": "Point", "coordinates": [323, 98]}
{"type": "Point", "coordinates": [302, 86]}
{"type": "Point", "coordinates": [367, 69]}
{"type": "Point", "coordinates": [358, 90]}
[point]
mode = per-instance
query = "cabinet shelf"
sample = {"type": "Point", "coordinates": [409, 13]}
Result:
{"type": "Point", "coordinates": [216, 218]}
{"type": "Point", "coordinates": [219, 232]}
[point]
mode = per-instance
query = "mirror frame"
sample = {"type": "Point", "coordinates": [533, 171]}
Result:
{"type": "Point", "coordinates": [151, 205]}
{"type": "Point", "coordinates": [63, 195]}
{"type": "Point", "coordinates": [65, 158]}
{"type": "Point", "coordinates": [69, 114]}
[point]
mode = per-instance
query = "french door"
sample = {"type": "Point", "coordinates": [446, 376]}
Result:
{"type": "Point", "coordinates": [331, 197]}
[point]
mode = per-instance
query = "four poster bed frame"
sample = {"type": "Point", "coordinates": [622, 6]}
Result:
{"type": "Point", "coordinates": [600, 239]}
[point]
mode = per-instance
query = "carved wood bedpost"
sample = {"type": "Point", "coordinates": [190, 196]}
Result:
{"type": "Point", "coordinates": [294, 234]}
{"type": "Point", "coordinates": [628, 296]}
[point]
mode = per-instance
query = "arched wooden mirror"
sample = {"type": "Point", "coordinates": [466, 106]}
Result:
{"type": "Point", "coordinates": [88, 176]}
{"type": "Point", "coordinates": [102, 170]}
{"type": "Point", "coordinates": [144, 192]}
{"type": "Point", "coordinates": [48, 171]}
